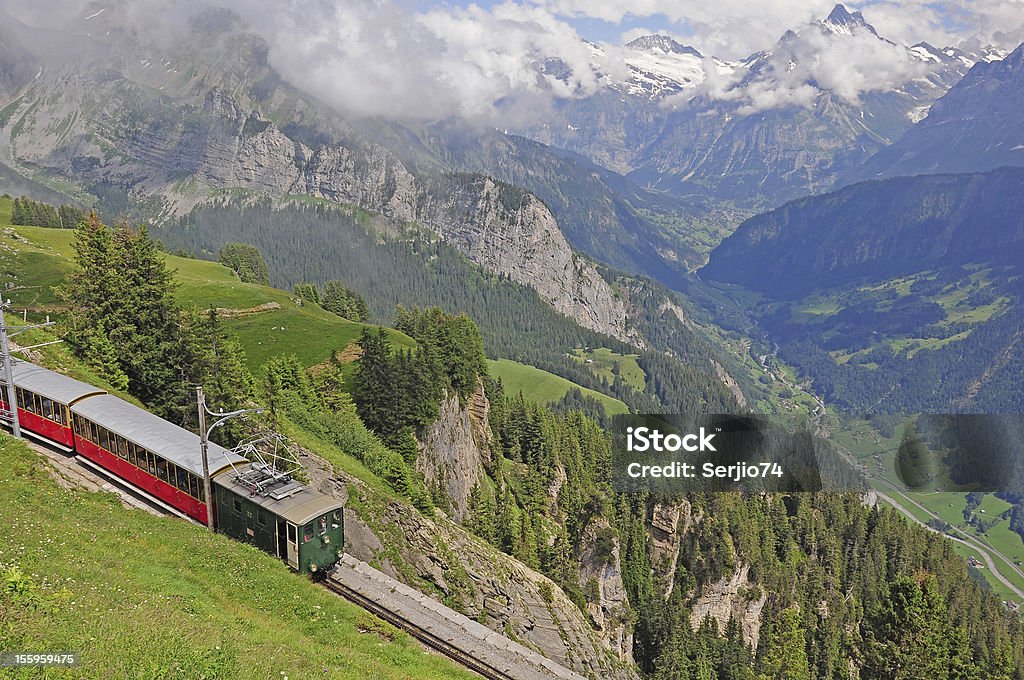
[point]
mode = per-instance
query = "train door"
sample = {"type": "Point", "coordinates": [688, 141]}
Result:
{"type": "Point", "coordinates": [293, 547]}
{"type": "Point", "coordinates": [282, 541]}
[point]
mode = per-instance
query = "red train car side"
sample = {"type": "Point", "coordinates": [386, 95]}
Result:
{"type": "Point", "coordinates": [44, 401]}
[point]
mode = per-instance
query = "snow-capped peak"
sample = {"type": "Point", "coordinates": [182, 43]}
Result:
{"type": "Point", "coordinates": [842, 22]}
{"type": "Point", "coordinates": [663, 44]}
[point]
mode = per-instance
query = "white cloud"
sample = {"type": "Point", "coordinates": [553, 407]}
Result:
{"type": "Point", "coordinates": [371, 57]}
{"type": "Point", "coordinates": [799, 68]}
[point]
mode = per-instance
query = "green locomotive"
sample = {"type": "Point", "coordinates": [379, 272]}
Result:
{"type": "Point", "coordinates": [257, 504]}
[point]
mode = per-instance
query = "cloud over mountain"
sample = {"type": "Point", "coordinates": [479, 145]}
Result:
{"type": "Point", "coordinates": [490, 63]}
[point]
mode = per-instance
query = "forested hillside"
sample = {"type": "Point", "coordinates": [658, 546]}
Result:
{"type": "Point", "coordinates": [412, 268]}
{"type": "Point", "coordinates": [895, 295]}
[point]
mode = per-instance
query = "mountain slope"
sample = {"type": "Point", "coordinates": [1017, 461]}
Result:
{"type": "Point", "coordinates": [175, 129]}
{"type": "Point", "coordinates": [875, 231]}
{"type": "Point", "coordinates": [976, 126]}
{"type": "Point", "coordinates": [180, 601]}
{"type": "Point", "coordinates": [894, 295]}
{"type": "Point", "coordinates": [756, 132]}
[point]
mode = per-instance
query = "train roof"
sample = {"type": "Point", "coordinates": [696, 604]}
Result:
{"type": "Point", "coordinates": [49, 384]}
{"type": "Point", "coordinates": [298, 504]}
{"type": "Point", "coordinates": [172, 443]}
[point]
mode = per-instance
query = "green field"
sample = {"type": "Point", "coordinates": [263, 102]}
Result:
{"type": "Point", "coordinates": [606, 364]}
{"type": "Point", "coordinates": [544, 387]}
{"type": "Point", "coordinates": [41, 258]}
{"type": "Point", "coordinates": [140, 596]}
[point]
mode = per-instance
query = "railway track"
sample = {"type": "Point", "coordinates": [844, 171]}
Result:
{"type": "Point", "coordinates": [426, 637]}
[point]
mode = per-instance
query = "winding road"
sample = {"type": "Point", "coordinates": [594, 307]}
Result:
{"type": "Point", "coordinates": [969, 543]}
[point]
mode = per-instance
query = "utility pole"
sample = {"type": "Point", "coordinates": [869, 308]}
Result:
{"type": "Point", "coordinates": [12, 397]}
{"type": "Point", "coordinates": [5, 349]}
{"type": "Point", "coordinates": [204, 444]}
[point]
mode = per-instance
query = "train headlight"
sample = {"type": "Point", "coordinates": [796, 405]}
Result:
{"type": "Point", "coordinates": [312, 567]}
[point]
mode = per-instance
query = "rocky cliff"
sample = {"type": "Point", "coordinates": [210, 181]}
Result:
{"type": "Point", "coordinates": [454, 449]}
{"type": "Point", "coordinates": [732, 596]}
{"type": "Point", "coordinates": [601, 580]}
{"type": "Point", "coordinates": [441, 559]}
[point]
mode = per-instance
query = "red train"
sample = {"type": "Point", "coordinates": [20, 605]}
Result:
{"type": "Point", "coordinates": [159, 458]}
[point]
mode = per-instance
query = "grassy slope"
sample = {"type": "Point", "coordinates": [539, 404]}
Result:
{"type": "Point", "coordinates": [142, 596]}
{"type": "Point", "coordinates": [604, 363]}
{"type": "Point", "coordinates": [45, 256]}
{"type": "Point", "coordinates": [542, 386]}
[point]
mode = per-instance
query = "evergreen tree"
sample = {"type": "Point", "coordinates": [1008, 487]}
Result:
{"type": "Point", "coordinates": [246, 261]}
{"type": "Point", "coordinates": [786, 656]}
{"type": "Point", "coordinates": [344, 302]}
{"type": "Point", "coordinates": [307, 292]}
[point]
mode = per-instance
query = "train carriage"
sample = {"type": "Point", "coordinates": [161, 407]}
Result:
{"type": "Point", "coordinates": [158, 457]}
{"type": "Point", "coordinates": [44, 401]}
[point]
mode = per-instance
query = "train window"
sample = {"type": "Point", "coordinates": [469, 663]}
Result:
{"type": "Point", "coordinates": [181, 479]}
{"type": "Point", "coordinates": [323, 526]}
{"type": "Point", "coordinates": [337, 518]}
{"type": "Point", "coordinates": [261, 518]}
{"type": "Point", "coordinates": [60, 414]}
{"type": "Point", "coordinates": [122, 447]}
{"type": "Point", "coordinates": [161, 469]}
{"type": "Point", "coordinates": [291, 533]}
{"type": "Point", "coordinates": [307, 533]}
{"type": "Point", "coordinates": [104, 437]}
{"type": "Point", "coordinates": [132, 455]}
{"type": "Point", "coordinates": [151, 460]}
{"type": "Point", "coordinates": [47, 408]}
{"type": "Point", "coordinates": [237, 505]}
{"type": "Point", "coordinates": [194, 489]}
{"type": "Point", "coordinates": [30, 402]}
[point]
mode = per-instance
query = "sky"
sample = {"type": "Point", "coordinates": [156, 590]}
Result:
{"type": "Point", "coordinates": [418, 59]}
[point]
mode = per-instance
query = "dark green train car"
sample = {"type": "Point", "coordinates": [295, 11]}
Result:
{"type": "Point", "coordinates": [303, 527]}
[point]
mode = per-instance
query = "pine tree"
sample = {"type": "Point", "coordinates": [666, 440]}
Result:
{"type": "Point", "coordinates": [374, 386]}
{"type": "Point", "coordinates": [786, 657]}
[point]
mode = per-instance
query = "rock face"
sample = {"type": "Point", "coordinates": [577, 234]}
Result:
{"type": "Point", "coordinates": [509, 231]}
{"type": "Point", "coordinates": [732, 597]}
{"type": "Point", "coordinates": [668, 523]}
{"type": "Point", "coordinates": [601, 580]}
{"type": "Point", "coordinates": [441, 559]}
{"type": "Point", "coordinates": [455, 448]}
